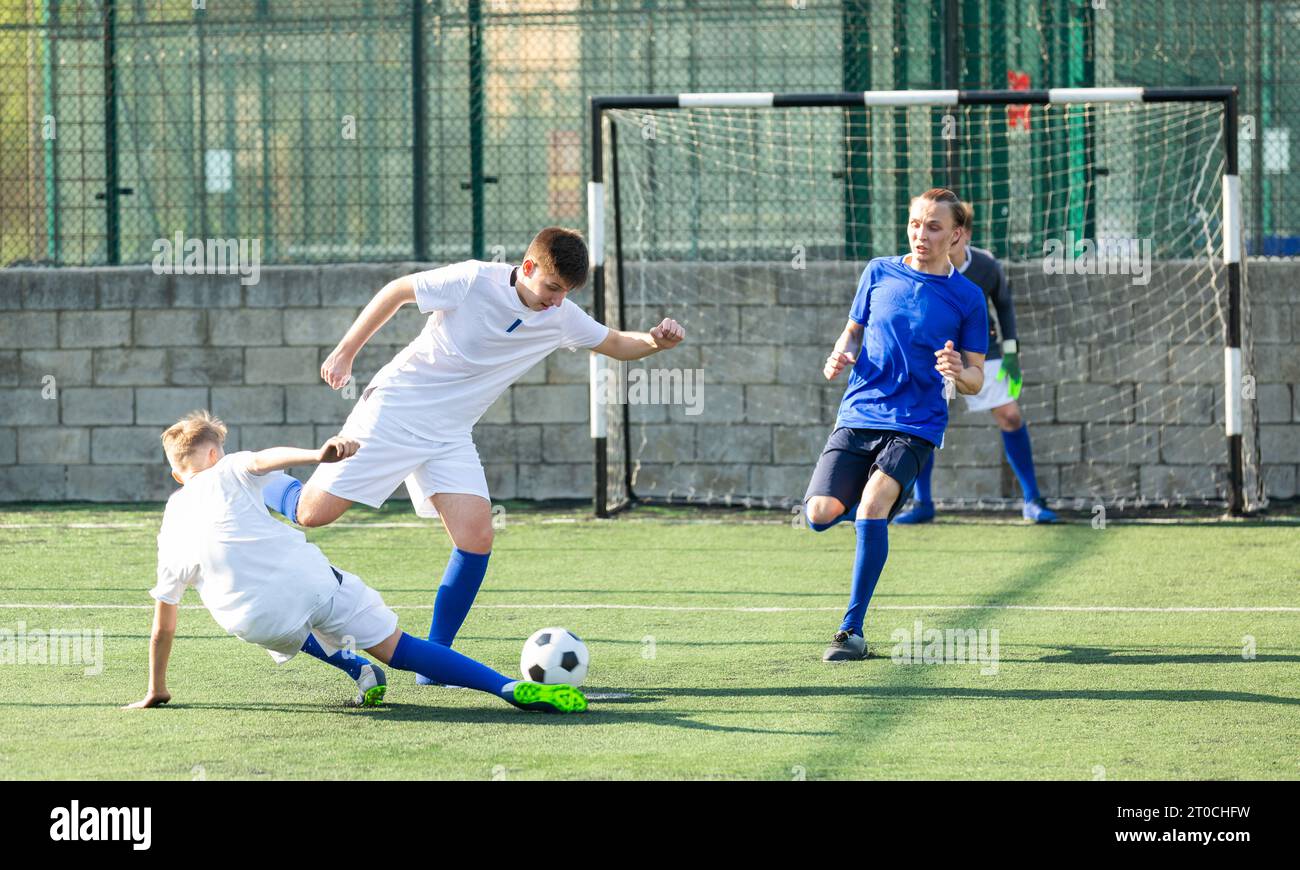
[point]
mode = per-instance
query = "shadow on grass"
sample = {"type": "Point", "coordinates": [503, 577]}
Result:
{"type": "Point", "coordinates": [940, 693]}
{"type": "Point", "coordinates": [608, 711]}
{"type": "Point", "coordinates": [601, 713]}
{"type": "Point", "coordinates": [491, 714]}
{"type": "Point", "coordinates": [1095, 655]}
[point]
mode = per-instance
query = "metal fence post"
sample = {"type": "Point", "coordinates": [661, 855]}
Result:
{"type": "Point", "coordinates": [478, 243]}
{"type": "Point", "coordinates": [201, 188]}
{"type": "Point", "coordinates": [49, 17]}
{"type": "Point", "coordinates": [112, 241]}
{"type": "Point", "coordinates": [419, 136]}
{"type": "Point", "coordinates": [269, 239]}
{"type": "Point", "coordinates": [856, 76]}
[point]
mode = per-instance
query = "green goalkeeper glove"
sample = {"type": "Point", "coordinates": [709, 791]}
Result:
{"type": "Point", "coordinates": [1010, 371]}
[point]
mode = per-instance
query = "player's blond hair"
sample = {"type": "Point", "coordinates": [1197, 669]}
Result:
{"type": "Point", "coordinates": [196, 429]}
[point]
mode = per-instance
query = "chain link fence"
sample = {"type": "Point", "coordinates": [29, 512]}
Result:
{"type": "Point", "coordinates": [372, 130]}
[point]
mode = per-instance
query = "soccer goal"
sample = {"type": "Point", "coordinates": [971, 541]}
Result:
{"type": "Point", "coordinates": [749, 217]}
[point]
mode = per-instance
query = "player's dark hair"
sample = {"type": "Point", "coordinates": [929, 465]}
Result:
{"type": "Point", "coordinates": [562, 252]}
{"type": "Point", "coordinates": [959, 210]}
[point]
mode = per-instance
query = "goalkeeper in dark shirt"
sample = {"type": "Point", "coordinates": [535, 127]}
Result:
{"type": "Point", "coordinates": [1002, 381]}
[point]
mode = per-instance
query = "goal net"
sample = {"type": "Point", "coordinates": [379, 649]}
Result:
{"type": "Point", "coordinates": [751, 224]}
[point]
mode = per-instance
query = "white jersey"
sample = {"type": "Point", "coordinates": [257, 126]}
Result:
{"type": "Point", "coordinates": [259, 577]}
{"type": "Point", "coordinates": [479, 339]}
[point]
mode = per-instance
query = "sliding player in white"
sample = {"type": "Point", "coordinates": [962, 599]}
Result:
{"type": "Point", "coordinates": [1002, 381]}
{"type": "Point", "coordinates": [264, 583]}
{"type": "Point", "coordinates": [489, 323]}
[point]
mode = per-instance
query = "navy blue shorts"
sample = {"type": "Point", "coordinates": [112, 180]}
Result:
{"type": "Point", "coordinates": [851, 454]}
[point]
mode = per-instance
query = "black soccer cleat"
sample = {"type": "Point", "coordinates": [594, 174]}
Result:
{"type": "Point", "coordinates": [846, 647]}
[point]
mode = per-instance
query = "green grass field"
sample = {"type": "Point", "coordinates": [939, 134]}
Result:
{"type": "Point", "coordinates": [706, 630]}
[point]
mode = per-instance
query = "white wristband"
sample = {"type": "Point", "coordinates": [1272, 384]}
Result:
{"type": "Point", "coordinates": [1010, 346]}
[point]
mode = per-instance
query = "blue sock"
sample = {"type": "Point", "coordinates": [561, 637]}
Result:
{"type": "Point", "coordinates": [348, 662]}
{"type": "Point", "coordinates": [821, 527]}
{"type": "Point", "coordinates": [281, 495]}
{"type": "Point", "coordinates": [441, 664]}
{"type": "Point", "coordinates": [921, 490]}
{"type": "Point", "coordinates": [460, 583]}
{"type": "Point", "coordinates": [873, 549]}
{"type": "Point", "coordinates": [1021, 458]}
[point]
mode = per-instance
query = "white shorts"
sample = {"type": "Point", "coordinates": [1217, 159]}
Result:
{"type": "Point", "coordinates": [994, 393]}
{"type": "Point", "coordinates": [355, 618]}
{"type": "Point", "coordinates": [389, 455]}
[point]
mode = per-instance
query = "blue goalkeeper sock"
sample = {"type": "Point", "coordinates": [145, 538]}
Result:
{"type": "Point", "coordinates": [441, 664]}
{"type": "Point", "coordinates": [921, 491]}
{"type": "Point", "coordinates": [1021, 458]}
{"type": "Point", "coordinates": [821, 527]}
{"type": "Point", "coordinates": [456, 593]}
{"type": "Point", "coordinates": [348, 662]}
{"type": "Point", "coordinates": [281, 495]}
{"type": "Point", "coordinates": [873, 549]}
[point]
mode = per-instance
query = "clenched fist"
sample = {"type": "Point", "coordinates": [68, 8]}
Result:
{"type": "Point", "coordinates": [836, 363]}
{"type": "Point", "coordinates": [668, 334]}
{"type": "Point", "coordinates": [949, 361]}
{"type": "Point", "coordinates": [337, 369]}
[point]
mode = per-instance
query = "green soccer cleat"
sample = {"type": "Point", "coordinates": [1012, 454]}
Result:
{"type": "Point", "coordinates": [371, 686]}
{"type": "Point", "coordinates": [547, 699]}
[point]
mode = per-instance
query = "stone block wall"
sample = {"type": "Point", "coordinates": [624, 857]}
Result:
{"type": "Point", "coordinates": [94, 363]}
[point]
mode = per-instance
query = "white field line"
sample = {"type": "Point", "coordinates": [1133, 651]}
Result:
{"type": "Point", "coordinates": [1029, 608]}
{"type": "Point", "coordinates": [955, 519]}
{"type": "Point", "coordinates": [779, 521]}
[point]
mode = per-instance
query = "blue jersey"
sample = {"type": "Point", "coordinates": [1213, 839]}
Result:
{"type": "Point", "coordinates": [907, 315]}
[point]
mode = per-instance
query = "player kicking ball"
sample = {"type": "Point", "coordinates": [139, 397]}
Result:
{"type": "Point", "coordinates": [914, 322]}
{"type": "Point", "coordinates": [264, 583]}
{"type": "Point", "coordinates": [1002, 382]}
{"type": "Point", "coordinates": [488, 324]}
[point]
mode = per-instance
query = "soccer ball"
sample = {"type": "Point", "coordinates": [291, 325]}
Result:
{"type": "Point", "coordinates": [554, 655]}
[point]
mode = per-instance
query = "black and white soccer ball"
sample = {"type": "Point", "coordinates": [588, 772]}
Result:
{"type": "Point", "coordinates": [554, 655]}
